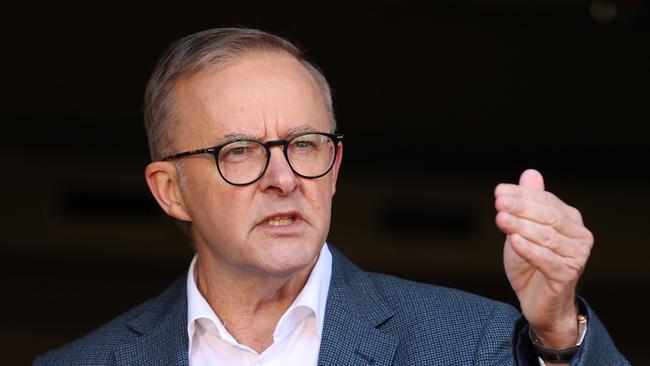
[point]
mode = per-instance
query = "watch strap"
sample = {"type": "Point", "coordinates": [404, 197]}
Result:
{"type": "Point", "coordinates": [558, 355]}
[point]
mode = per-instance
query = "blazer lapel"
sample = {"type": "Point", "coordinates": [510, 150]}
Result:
{"type": "Point", "coordinates": [353, 313]}
{"type": "Point", "coordinates": [351, 334]}
{"type": "Point", "coordinates": [163, 331]}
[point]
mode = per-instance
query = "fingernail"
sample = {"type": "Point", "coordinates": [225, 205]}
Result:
{"type": "Point", "coordinates": [507, 203]}
{"type": "Point", "coordinates": [507, 219]}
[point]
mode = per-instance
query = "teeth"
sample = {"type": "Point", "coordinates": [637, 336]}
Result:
{"type": "Point", "coordinates": [278, 221]}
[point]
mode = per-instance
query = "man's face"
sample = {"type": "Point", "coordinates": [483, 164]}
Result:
{"type": "Point", "coordinates": [262, 96]}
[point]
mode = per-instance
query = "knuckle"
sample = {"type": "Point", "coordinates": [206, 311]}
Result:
{"type": "Point", "coordinates": [576, 270]}
{"type": "Point", "coordinates": [547, 256]}
{"type": "Point", "coordinates": [589, 237]}
{"type": "Point", "coordinates": [547, 236]}
{"type": "Point", "coordinates": [585, 237]}
{"type": "Point", "coordinates": [521, 207]}
{"type": "Point", "coordinates": [584, 252]}
{"type": "Point", "coordinates": [553, 217]}
{"type": "Point", "coordinates": [577, 215]}
{"type": "Point", "coordinates": [572, 271]}
{"type": "Point", "coordinates": [550, 198]}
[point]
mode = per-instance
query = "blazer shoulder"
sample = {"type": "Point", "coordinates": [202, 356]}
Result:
{"type": "Point", "coordinates": [443, 302]}
{"type": "Point", "coordinates": [471, 329]}
{"type": "Point", "coordinates": [416, 301]}
{"type": "Point", "coordinates": [99, 346]}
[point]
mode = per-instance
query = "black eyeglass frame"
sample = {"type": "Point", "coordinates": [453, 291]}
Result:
{"type": "Point", "coordinates": [335, 138]}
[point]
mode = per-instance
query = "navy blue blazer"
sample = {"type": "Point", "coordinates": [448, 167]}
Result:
{"type": "Point", "coordinates": [370, 319]}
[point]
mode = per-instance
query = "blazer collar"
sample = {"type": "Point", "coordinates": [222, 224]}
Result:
{"type": "Point", "coordinates": [351, 332]}
{"type": "Point", "coordinates": [353, 316]}
{"type": "Point", "coordinates": [162, 327]}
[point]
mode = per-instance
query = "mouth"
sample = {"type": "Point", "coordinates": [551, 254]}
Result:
{"type": "Point", "coordinates": [281, 219]}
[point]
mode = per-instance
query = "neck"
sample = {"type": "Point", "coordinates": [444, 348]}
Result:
{"type": "Point", "coordinates": [249, 304]}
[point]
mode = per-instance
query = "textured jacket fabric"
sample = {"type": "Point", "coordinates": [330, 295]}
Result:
{"type": "Point", "coordinates": [370, 319]}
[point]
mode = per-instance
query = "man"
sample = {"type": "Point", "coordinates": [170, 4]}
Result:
{"type": "Point", "coordinates": [241, 132]}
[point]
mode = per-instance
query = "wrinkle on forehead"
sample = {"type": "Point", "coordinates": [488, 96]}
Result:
{"type": "Point", "coordinates": [262, 95]}
{"type": "Point", "coordinates": [287, 134]}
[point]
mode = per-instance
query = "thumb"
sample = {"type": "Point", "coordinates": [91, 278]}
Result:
{"type": "Point", "coordinates": [531, 178]}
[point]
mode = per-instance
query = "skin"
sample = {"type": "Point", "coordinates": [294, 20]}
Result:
{"type": "Point", "coordinates": [250, 272]}
{"type": "Point", "coordinates": [546, 250]}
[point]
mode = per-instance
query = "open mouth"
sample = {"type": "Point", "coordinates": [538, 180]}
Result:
{"type": "Point", "coordinates": [280, 220]}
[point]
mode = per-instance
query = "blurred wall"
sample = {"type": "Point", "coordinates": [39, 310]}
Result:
{"type": "Point", "coordinates": [438, 104]}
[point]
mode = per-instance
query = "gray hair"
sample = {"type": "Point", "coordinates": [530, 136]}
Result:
{"type": "Point", "coordinates": [200, 51]}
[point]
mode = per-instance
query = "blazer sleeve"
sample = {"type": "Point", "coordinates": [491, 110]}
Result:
{"type": "Point", "coordinates": [597, 347]}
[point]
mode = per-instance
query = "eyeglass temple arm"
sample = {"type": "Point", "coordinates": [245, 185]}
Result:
{"type": "Point", "coordinates": [188, 153]}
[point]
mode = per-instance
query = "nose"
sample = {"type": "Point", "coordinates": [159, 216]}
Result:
{"type": "Point", "coordinates": [278, 176]}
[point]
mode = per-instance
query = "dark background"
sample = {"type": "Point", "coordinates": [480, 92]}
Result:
{"type": "Point", "coordinates": [438, 104]}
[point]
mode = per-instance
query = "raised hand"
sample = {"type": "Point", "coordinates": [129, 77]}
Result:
{"type": "Point", "coordinates": [546, 249]}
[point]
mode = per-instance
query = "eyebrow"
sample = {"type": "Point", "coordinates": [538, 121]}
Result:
{"type": "Point", "coordinates": [242, 136]}
{"type": "Point", "coordinates": [237, 136]}
{"type": "Point", "coordinates": [300, 129]}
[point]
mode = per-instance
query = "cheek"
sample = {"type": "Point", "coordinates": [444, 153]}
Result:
{"type": "Point", "coordinates": [220, 210]}
{"type": "Point", "coordinates": [319, 195]}
{"type": "Point", "coordinates": [231, 208]}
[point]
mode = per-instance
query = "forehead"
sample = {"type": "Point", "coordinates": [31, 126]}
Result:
{"type": "Point", "coordinates": [262, 95]}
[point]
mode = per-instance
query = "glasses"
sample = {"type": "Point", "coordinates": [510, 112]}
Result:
{"type": "Point", "coordinates": [241, 162]}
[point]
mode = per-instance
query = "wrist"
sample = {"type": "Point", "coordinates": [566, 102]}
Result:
{"type": "Point", "coordinates": [562, 354]}
{"type": "Point", "coordinates": [563, 332]}
{"type": "Point", "coordinates": [559, 337]}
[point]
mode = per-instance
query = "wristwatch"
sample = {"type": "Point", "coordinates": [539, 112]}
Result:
{"type": "Point", "coordinates": [559, 355]}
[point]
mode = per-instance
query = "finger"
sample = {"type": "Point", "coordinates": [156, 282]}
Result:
{"type": "Point", "coordinates": [532, 179]}
{"type": "Point", "coordinates": [543, 235]}
{"type": "Point", "coordinates": [533, 194]}
{"type": "Point", "coordinates": [559, 219]}
{"type": "Point", "coordinates": [552, 266]}
{"type": "Point", "coordinates": [543, 197]}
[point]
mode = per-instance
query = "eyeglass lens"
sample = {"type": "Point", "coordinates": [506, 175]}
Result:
{"type": "Point", "coordinates": [242, 162]}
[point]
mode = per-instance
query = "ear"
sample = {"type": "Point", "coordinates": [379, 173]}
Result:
{"type": "Point", "coordinates": [164, 183]}
{"type": "Point", "coordinates": [337, 166]}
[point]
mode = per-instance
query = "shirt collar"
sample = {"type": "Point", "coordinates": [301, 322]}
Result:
{"type": "Point", "coordinates": [199, 311]}
{"type": "Point", "coordinates": [312, 298]}
{"type": "Point", "coordinates": [310, 301]}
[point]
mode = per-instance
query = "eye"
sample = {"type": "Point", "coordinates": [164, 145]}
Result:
{"type": "Point", "coordinates": [239, 151]}
{"type": "Point", "coordinates": [304, 144]}
{"type": "Point", "coordinates": [308, 143]}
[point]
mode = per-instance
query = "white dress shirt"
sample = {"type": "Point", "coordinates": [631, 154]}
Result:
{"type": "Point", "coordinates": [296, 338]}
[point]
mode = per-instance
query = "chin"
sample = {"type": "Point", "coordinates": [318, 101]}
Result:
{"type": "Point", "coordinates": [286, 260]}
